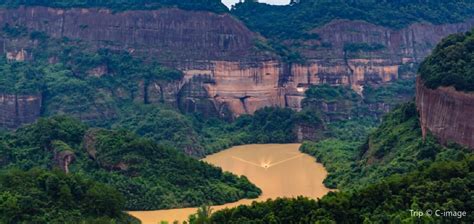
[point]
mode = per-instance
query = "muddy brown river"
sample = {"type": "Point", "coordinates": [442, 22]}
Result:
{"type": "Point", "coordinates": [280, 170]}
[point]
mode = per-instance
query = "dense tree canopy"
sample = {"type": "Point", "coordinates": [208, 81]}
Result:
{"type": "Point", "coordinates": [395, 147]}
{"type": "Point", "coordinates": [380, 181]}
{"type": "Point", "coordinates": [294, 21]}
{"type": "Point", "coordinates": [39, 196]}
{"type": "Point", "coordinates": [443, 186]}
{"type": "Point", "coordinates": [150, 176]}
{"type": "Point", "coordinates": [208, 5]}
{"type": "Point", "coordinates": [451, 63]}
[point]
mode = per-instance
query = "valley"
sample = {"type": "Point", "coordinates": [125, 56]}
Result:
{"type": "Point", "coordinates": [188, 112]}
{"type": "Point", "coordinates": [279, 170]}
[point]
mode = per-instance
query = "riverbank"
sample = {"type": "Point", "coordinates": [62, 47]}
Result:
{"type": "Point", "coordinates": [279, 170]}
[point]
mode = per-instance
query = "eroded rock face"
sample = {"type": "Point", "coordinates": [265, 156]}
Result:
{"type": "Point", "coordinates": [241, 87]}
{"type": "Point", "coordinates": [20, 55]}
{"type": "Point", "coordinates": [413, 43]}
{"type": "Point", "coordinates": [446, 113]}
{"type": "Point", "coordinates": [16, 109]}
{"type": "Point", "coordinates": [246, 87]}
{"type": "Point", "coordinates": [168, 34]}
{"type": "Point", "coordinates": [331, 61]}
{"type": "Point", "coordinates": [225, 74]}
{"type": "Point", "coordinates": [64, 159]}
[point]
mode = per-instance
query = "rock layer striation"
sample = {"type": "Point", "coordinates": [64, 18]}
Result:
{"type": "Point", "coordinates": [446, 113]}
{"type": "Point", "coordinates": [225, 73]}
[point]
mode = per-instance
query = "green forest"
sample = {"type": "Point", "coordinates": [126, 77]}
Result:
{"type": "Point", "coordinates": [395, 147]}
{"type": "Point", "coordinates": [450, 64]}
{"type": "Point", "coordinates": [296, 20]}
{"type": "Point", "coordinates": [148, 175]}
{"type": "Point", "coordinates": [381, 180]}
{"type": "Point", "coordinates": [121, 5]}
{"type": "Point", "coordinates": [444, 185]}
{"type": "Point", "coordinates": [40, 196]}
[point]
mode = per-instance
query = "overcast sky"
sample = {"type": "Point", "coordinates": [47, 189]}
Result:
{"type": "Point", "coordinates": [275, 2]}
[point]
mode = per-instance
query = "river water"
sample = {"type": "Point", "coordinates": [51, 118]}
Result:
{"type": "Point", "coordinates": [280, 170]}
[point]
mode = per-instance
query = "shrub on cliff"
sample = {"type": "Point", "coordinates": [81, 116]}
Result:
{"type": "Point", "coordinates": [20, 78]}
{"type": "Point", "coordinates": [451, 63]}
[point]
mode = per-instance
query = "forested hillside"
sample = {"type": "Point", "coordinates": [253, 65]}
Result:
{"type": "Point", "coordinates": [443, 186]}
{"type": "Point", "coordinates": [395, 147]}
{"type": "Point", "coordinates": [121, 5]}
{"type": "Point", "coordinates": [294, 21]}
{"type": "Point", "coordinates": [39, 196]}
{"type": "Point", "coordinates": [381, 180]}
{"type": "Point", "coordinates": [149, 176]}
{"type": "Point", "coordinates": [450, 64]}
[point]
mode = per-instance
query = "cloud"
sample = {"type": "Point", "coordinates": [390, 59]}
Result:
{"type": "Point", "coordinates": [274, 2]}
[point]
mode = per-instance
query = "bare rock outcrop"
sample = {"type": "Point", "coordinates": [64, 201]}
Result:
{"type": "Point", "coordinates": [446, 113]}
{"type": "Point", "coordinates": [17, 109]}
{"type": "Point", "coordinates": [63, 159]}
{"type": "Point", "coordinates": [169, 34]}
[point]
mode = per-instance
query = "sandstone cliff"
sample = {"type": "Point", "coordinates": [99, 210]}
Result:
{"type": "Point", "coordinates": [446, 113]}
{"type": "Point", "coordinates": [16, 109]}
{"type": "Point", "coordinates": [396, 52]}
{"type": "Point", "coordinates": [225, 74]}
{"type": "Point", "coordinates": [168, 34]}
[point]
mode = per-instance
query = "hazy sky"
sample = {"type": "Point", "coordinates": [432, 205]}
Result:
{"type": "Point", "coordinates": [275, 2]}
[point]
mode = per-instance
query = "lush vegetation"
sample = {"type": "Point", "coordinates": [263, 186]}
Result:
{"type": "Point", "coordinates": [88, 84]}
{"type": "Point", "coordinates": [19, 78]}
{"type": "Point", "coordinates": [339, 103]}
{"type": "Point", "coordinates": [451, 63]}
{"type": "Point", "coordinates": [149, 176]}
{"type": "Point", "coordinates": [120, 5]}
{"type": "Point", "coordinates": [115, 89]}
{"type": "Point", "coordinates": [393, 173]}
{"type": "Point", "coordinates": [39, 196]}
{"type": "Point", "coordinates": [442, 186]}
{"type": "Point", "coordinates": [396, 92]}
{"type": "Point", "coordinates": [395, 147]}
{"type": "Point", "coordinates": [296, 20]}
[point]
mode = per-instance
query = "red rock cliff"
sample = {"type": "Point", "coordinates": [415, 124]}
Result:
{"type": "Point", "coordinates": [447, 113]}
{"type": "Point", "coordinates": [168, 34]}
{"type": "Point", "coordinates": [16, 110]}
{"type": "Point", "coordinates": [225, 73]}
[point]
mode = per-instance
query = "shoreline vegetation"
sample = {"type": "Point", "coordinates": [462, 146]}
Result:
{"type": "Point", "coordinates": [265, 165]}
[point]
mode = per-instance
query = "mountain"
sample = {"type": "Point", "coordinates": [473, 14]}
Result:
{"type": "Point", "coordinates": [445, 91]}
{"type": "Point", "coordinates": [403, 165]}
{"type": "Point", "coordinates": [227, 69]}
{"type": "Point", "coordinates": [123, 96]}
